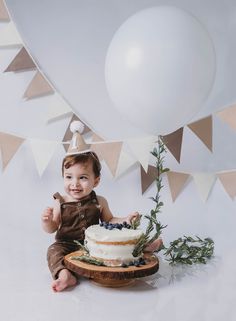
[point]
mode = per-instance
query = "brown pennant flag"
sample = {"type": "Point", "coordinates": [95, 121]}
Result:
{"type": "Point", "coordinates": [228, 180]}
{"type": "Point", "coordinates": [3, 12]}
{"type": "Point", "coordinates": [203, 129]}
{"type": "Point", "coordinates": [68, 134]}
{"type": "Point", "coordinates": [176, 183]}
{"type": "Point", "coordinates": [96, 147]}
{"type": "Point", "coordinates": [147, 178]}
{"type": "Point", "coordinates": [110, 152]}
{"type": "Point", "coordinates": [38, 87]}
{"type": "Point", "coordinates": [228, 115]}
{"type": "Point", "coordinates": [9, 145]}
{"type": "Point", "coordinates": [21, 62]}
{"type": "Point", "coordinates": [173, 142]}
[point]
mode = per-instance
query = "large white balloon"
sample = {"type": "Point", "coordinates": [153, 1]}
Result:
{"type": "Point", "coordinates": [160, 68]}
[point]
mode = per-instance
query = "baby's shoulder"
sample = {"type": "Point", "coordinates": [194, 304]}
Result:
{"type": "Point", "coordinates": [101, 200]}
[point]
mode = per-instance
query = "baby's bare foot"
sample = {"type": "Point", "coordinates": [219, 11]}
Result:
{"type": "Point", "coordinates": [65, 280]}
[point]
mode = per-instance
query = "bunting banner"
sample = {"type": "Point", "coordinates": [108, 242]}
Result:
{"type": "Point", "coordinates": [228, 116]}
{"type": "Point", "coordinates": [9, 145]}
{"type": "Point", "coordinates": [38, 87]}
{"type": "Point", "coordinates": [228, 180]}
{"type": "Point", "coordinates": [126, 161]}
{"type": "Point", "coordinates": [21, 62]}
{"type": "Point", "coordinates": [176, 182]}
{"type": "Point", "coordinates": [173, 142]}
{"type": "Point", "coordinates": [203, 129]}
{"type": "Point", "coordinates": [9, 36]}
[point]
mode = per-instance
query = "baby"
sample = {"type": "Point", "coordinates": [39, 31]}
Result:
{"type": "Point", "coordinates": [73, 212]}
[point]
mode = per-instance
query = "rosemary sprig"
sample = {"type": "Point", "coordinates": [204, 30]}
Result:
{"type": "Point", "coordinates": [83, 247]}
{"type": "Point", "coordinates": [88, 259]}
{"type": "Point", "coordinates": [188, 250]}
{"type": "Point", "coordinates": [153, 223]}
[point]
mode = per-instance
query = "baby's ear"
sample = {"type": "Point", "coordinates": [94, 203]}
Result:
{"type": "Point", "coordinates": [96, 181]}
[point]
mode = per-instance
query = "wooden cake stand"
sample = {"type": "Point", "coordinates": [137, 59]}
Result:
{"type": "Point", "coordinates": [111, 276]}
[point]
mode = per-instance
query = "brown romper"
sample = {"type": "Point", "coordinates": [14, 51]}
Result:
{"type": "Point", "coordinates": [75, 218]}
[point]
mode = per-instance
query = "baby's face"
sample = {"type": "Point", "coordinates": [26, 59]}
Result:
{"type": "Point", "coordinates": [79, 180]}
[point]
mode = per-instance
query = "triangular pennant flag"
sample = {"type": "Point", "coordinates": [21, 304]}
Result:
{"type": "Point", "coordinates": [148, 178]}
{"type": "Point", "coordinates": [125, 162]}
{"type": "Point", "coordinates": [228, 115]}
{"type": "Point", "coordinates": [3, 12]}
{"type": "Point", "coordinates": [68, 134]}
{"type": "Point", "coordinates": [9, 144]}
{"type": "Point", "coordinates": [228, 180]}
{"type": "Point", "coordinates": [57, 107]}
{"type": "Point", "coordinates": [38, 87]}
{"type": "Point", "coordinates": [204, 183]}
{"type": "Point", "coordinates": [43, 152]}
{"type": "Point", "coordinates": [173, 142]}
{"type": "Point", "coordinates": [21, 62]}
{"type": "Point", "coordinates": [141, 148]}
{"type": "Point", "coordinates": [9, 36]}
{"type": "Point", "coordinates": [176, 183]}
{"type": "Point", "coordinates": [110, 152]}
{"type": "Point", "coordinates": [97, 147]}
{"type": "Point", "coordinates": [203, 129]}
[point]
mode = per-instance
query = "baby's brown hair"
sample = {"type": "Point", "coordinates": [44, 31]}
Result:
{"type": "Point", "coordinates": [82, 158]}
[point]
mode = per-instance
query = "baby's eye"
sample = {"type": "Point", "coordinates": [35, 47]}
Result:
{"type": "Point", "coordinates": [83, 177]}
{"type": "Point", "coordinates": [68, 177]}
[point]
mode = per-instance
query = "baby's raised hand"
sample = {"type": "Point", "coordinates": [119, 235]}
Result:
{"type": "Point", "coordinates": [132, 217]}
{"type": "Point", "coordinates": [47, 215]}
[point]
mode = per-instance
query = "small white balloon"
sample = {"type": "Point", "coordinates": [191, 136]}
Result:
{"type": "Point", "coordinates": [160, 68]}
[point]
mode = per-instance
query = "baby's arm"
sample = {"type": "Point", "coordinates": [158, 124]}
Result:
{"type": "Point", "coordinates": [107, 216]}
{"type": "Point", "coordinates": [51, 218]}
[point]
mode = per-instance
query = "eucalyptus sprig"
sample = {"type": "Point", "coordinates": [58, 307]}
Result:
{"type": "Point", "coordinates": [188, 250]}
{"type": "Point", "coordinates": [153, 223]}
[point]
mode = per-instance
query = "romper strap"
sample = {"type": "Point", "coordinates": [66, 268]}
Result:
{"type": "Point", "coordinates": [58, 196]}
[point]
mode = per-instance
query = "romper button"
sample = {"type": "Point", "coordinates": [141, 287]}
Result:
{"type": "Point", "coordinates": [82, 216]}
{"type": "Point", "coordinates": [79, 204]}
{"type": "Point", "coordinates": [83, 228]}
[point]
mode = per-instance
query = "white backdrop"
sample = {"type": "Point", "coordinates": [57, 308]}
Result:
{"type": "Point", "coordinates": [198, 292]}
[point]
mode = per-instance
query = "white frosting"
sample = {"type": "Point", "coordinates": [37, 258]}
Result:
{"type": "Point", "coordinates": [121, 253]}
{"type": "Point", "coordinates": [99, 233]}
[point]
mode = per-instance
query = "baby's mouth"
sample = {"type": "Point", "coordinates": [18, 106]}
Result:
{"type": "Point", "coordinates": [76, 190]}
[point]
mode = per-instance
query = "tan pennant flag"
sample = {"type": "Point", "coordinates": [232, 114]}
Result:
{"type": "Point", "coordinates": [96, 147]}
{"type": "Point", "coordinates": [68, 134]}
{"type": "Point", "coordinates": [173, 142]}
{"type": "Point", "coordinates": [9, 145]}
{"type": "Point", "coordinates": [204, 183]}
{"type": "Point", "coordinates": [228, 180]}
{"type": "Point", "coordinates": [21, 62]}
{"type": "Point", "coordinates": [203, 129]}
{"type": "Point", "coordinates": [148, 178]}
{"type": "Point", "coordinates": [57, 108]}
{"type": "Point", "coordinates": [38, 86]}
{"type": "Point", "coordinates": [228, 115]}
{"type": "Point", "coordinates": [3, 12]}
{"type": "Point", "coordinates": [9, 36]}
{"type": "Point", "coordinates": [110, 152]}
{"type": "Point", "coordinates": [176, 183]}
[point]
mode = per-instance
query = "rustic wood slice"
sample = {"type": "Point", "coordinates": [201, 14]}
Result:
{"type": "Point", "coordinates": [111, 276]}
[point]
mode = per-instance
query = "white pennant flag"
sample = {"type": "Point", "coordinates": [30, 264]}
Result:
{"type": "Point", "coordinates": [57, 107]}
{"type": "Point", "coordinates": [125, 162]}
{"type": "Point", "coordinates": [204, 183]}
{"type": "Point", "coordinates": [43, 152]}
{"type": "Point", "coordinates": [9, 36]}
{"type": "Point", "coordinates": [141, 148]}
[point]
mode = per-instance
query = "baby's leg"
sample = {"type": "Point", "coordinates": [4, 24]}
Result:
{"type": "Point", "coordinates": [65, 280]}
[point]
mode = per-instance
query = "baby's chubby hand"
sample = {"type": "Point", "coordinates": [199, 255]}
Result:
{"type": "Point", "coordinates": [132, 217]}
{"type": "Point", "coordinates": [47, 215]}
